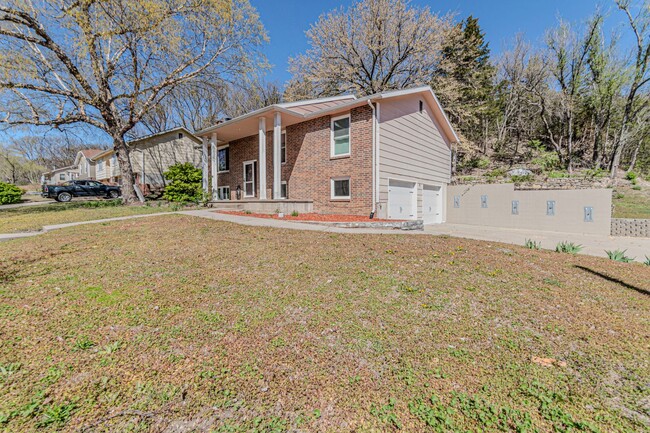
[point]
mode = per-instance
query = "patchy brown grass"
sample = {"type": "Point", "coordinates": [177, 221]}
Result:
{"type": "Point", "coordinates": [630, 203]}
{"type": "Point", "coordinates": [180, 323]}
{"type": "Point", "coordinates": [33, 218]}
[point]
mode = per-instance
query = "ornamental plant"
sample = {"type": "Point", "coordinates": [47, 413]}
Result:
{"type": "Point", "coordinates": [185, 183]}
{"type": "Point", "coordinates": [9, 193]}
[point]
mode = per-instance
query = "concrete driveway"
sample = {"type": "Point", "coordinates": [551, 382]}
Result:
{"type": "Point", "coordinates": [593, 245]}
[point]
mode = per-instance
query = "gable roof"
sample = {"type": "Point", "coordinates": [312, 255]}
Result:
{"type": "Point", "coordinates": [300, 111]}
{"type": "Point", "coordinates": [90, 153]}
{"type": "Point", "coordinates": [168, 131]}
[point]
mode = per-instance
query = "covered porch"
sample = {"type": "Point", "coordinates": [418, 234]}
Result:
{"type": "Point", "coordinates": [243, 159]}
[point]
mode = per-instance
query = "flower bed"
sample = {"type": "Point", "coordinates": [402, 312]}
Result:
{"type": "Point", "coordinates": [310, 217]}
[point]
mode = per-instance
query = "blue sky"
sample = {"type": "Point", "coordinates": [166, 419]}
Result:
{"type": "Point", "coordinates": [287, 20]}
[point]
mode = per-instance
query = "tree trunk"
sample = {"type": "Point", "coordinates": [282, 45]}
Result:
{"type": "Point", "coordinates": [130, 194]}
{"type": "Point", "coordinates": [635, 154]}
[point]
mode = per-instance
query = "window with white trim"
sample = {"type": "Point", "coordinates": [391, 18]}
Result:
{"type": "Point", "coordinates": [340, 140]}
{"type": "Point", "coordinates": [284, 191]}
{"type": "Point", "coordinates": [340, 188]}
{"type": "Point", "coordinates": [100, 165]}
{"type": "Point", "coordinates": [62, 176]}
{"type": "Point", "coordinates": [223, 159]}
{"type": "Point", "coordinates": [223, 193]}
{"type": "Point", "coordinates": [283, 147]}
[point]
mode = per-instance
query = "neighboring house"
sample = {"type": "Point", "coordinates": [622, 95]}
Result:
{"type": "Point", "coordinates": [388, 153]}
{"type": "Point", "coordinates": [85, 162]}
{"type": "Point", "coordinates": [151, 156]}
{"type": "Point", "coordinates": [60, 175]}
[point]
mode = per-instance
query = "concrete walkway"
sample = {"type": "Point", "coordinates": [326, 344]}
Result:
{"type": "Point", "coordinates": [27, 204]}
{"type": "Point", "coordinates": [593, 245]}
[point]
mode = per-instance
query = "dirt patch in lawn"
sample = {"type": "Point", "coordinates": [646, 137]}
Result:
{"type": "Point", "coordinates": [186, 324]}
{"type": "Point", "coordinates": [310, 217]}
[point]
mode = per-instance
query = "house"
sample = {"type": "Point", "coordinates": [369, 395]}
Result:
{"type": "Point", "coordinates": [85, 163]}
{"type": "Point", "coordinates": [388, 154]}
{"type": "Point", "coordinates": [60, 175]}
{"type": "Point", "coordinates": [151, 156]}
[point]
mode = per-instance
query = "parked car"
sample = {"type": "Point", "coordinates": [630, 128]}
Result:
{"type": "Point", "coordinates": [80, 188]}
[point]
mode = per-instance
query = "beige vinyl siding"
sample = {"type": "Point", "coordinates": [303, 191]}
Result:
{"type": "Point", "coordinates": [162, 152]}
{"type": "Point", "coordinates": [104, 172]}
{"type": "Point", "coordinates": [411, 147]}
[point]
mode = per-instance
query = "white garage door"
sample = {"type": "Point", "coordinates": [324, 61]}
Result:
{"type": "Point", "coordinates": [431, 204]}
{"type": "Point", "coordinates": [401, 200]}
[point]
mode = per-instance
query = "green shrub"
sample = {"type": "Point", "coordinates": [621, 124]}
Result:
{"type": "Point", "coordinates": [521, 179]}
{"type": "Point", "coordinates": [497, 172]}
{"type": "Point", "coordinates": [631, 176]}
{"type": "Point", "coordinates": [9, 193]}
{"type": "Point", "coordinates": [595, 173]}
{"type": "Point", "coordinates": [619, 256]}
{"type": "Point", "coordinates": [185, 185]}
{"type": "Point", "coordinates": [294, 213]}
{"type": "Point", "coordinates": [558, 174]}
{"type": "Point", "coordinates": [532, 245]}
{"type": "Point", "coordinates": [547, 161]}
{"type": "Point", "coordinates": [568, 247]}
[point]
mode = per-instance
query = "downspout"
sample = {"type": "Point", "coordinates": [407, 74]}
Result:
{"type": "Point", "coordinates": [374, 158]}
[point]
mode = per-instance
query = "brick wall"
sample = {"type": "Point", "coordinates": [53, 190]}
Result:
{"type": "Point", "coordinates": [309, 168]}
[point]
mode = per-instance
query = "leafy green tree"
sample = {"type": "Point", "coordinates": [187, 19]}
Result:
{"type": "Point", "coordinates": [9, 193]}
{"type": "Point", "coordinates": [185, 183]}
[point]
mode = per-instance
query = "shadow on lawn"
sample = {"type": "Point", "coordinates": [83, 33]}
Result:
{"type": "Point", "coordinates": [615, 280]}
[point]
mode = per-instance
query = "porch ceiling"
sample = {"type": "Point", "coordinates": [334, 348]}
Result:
{"type": "Point", "coordinates": [250, 126]}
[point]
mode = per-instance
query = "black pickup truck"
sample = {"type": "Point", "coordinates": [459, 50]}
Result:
{"type": "Point", "coordinates": [80, 188]}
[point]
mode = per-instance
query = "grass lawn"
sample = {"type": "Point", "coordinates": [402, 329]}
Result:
{"type": "Point", "coordinates": [33, 218]}
{"type": "Point", "coordinates": [183, 324]}
{"type": "Point", "coordinates": [629, 203]}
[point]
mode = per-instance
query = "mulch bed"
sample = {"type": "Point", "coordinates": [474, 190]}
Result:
{"type": "Point", "coordinates": [310, 217]}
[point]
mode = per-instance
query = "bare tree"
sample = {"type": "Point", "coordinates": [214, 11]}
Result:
{"type": "Point", "coordinates": [372, 46]}
{"type": "Point", "coordinates": [108, 63]}
{"type": "Point", "coordinates": [640, 76]}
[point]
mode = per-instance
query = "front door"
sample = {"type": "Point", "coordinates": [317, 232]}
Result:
{"type": "Point", "coordinates": [249, 179]}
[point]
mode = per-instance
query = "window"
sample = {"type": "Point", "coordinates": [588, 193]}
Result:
{"type": "Point", "coordinates": [340, 145]}
{"type": "Point", "coordinates": [223, 193]}
{"type": "Point", "coordinates": [62, 176]}
{"type": "Point", "coordinates": [421, 106]}
{"type": "Point", "coordinates": [283, 147]}
{"type": "Point", "coordinates": [180, 135]}
{"type": "Point", "coordinates": [284, 192]}
{"type": "Point", "coordinates": [341, 188]}
{"type": "Point", "coordinates": [100, 165]}
{"type": "Point", "coordinates": [223, 158]}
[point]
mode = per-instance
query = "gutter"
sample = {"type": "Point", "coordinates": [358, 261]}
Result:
{"type": "Point", "coordinates": [374, 158]}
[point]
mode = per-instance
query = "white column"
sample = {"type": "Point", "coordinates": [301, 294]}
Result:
{"type": "Point", "coordinates": [261, 162]}
{"type": "Point", "coordinates": [215, 167]}
{"type": "Point", "coordinates": [204, 164]}
{"type": "Point", "coordinates": [277, 163]}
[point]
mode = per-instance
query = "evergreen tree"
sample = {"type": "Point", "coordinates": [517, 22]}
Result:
{"type": "Point", "coordinates": [464, 79]}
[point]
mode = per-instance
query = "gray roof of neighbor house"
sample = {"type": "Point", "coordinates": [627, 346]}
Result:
{"type": "Point", "coordinates": [168, 131]}
{"type": "Point", "coordinates": [296, 112]}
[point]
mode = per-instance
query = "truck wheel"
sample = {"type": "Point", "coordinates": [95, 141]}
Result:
{"type": "Point", "coordinates": [113, 194]}
{"type": "Point", "coordinates": [64, 197]}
